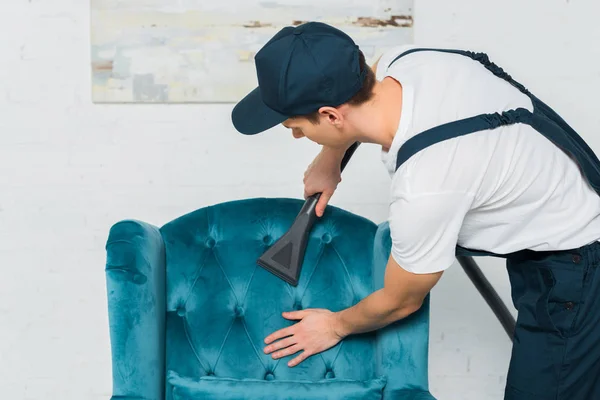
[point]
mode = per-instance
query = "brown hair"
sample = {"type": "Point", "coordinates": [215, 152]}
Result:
{"type": "Point", "coordinates": [362, 96]}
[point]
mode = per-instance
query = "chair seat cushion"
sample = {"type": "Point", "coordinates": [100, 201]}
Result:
{"type": "Point", "coordinates": [216, 388]}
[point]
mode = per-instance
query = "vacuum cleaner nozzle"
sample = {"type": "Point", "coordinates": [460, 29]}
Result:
{"type": "Point", "coordinates": [285, 257]}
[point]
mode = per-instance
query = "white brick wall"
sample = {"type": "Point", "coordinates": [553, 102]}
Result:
{"type": "Point", "coordinates": [70, 169]}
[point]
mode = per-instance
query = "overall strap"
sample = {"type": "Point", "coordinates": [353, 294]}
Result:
{"type": "Point", "coordinates": [468, 125]}
{"type": "Point", "coordinates": [460, 128]}
{"type": "Point", "coordinates": [544, 119]}
{"type": "Point", "coordinates": [554, 128]}
{"type": "Point", "coordinates": [480, 57]}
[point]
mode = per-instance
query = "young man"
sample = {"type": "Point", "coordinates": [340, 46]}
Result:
{"type": "Point", "coordinates": [479, 166]}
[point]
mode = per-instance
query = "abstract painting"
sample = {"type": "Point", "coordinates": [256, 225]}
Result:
{"type": "Point", "coordinates": [198, 51]}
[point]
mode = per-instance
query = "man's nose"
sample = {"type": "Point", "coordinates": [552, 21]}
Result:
{"type": "Point", "coordinates": [297, 134]}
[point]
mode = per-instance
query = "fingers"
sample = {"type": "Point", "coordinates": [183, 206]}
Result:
{"type": "Point", "coordinates": [285, 332]}
{"type": "Point", "coordinates": [323, 200]}
{"type": "Point", "coordinates": [294, 314]}
{"type": "Point", "coordinates": [288, 351]}
{"type": "Point", "coordinates": [290, 329]}
{"type": "Point", "coordinates": [283, 343]}
{"type": "Point", "coordinates": [288, 347]}
{"type": "Point", "coordinates": [301, 357]}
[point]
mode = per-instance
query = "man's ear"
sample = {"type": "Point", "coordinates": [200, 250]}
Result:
{"type": "Point", "coordinates": [332, 114]}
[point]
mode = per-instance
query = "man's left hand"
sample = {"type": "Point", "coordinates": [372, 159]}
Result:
{"type": "Point", "coordinates": [316, 331]}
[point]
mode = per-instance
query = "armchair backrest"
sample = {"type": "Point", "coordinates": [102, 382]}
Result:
{"type": "Point", "coordinates": [221, 305]}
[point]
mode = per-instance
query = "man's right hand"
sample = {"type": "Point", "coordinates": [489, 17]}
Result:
{"type": "Point", "coordinates": [322, 176]}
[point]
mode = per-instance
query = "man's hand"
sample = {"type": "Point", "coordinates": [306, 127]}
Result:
{"type": "Point", "coordinates": [323, 176]}
{"type": "Point", "coordinates": [316, 332]}
{"type": "Point", "coordinates": [320, 329]}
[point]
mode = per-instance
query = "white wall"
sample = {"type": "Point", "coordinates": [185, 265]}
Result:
{"type": "Point", "coordinates": [70, 169]}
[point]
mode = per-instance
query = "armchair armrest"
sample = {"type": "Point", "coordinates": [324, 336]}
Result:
{"type": "Point", "coordinates": [403, 346]}
{"type": "Point", "coordinates": [135, 278]}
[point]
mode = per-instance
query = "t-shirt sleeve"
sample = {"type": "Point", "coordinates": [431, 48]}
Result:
{"type": "Point", "coordinates": [424, 229]}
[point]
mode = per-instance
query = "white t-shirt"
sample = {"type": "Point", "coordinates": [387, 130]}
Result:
{"type": "Point", "coordinates": [500, 190]}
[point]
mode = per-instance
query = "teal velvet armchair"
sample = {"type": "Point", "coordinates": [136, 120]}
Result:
{"type": "Point", "coordinates": [189, 308]}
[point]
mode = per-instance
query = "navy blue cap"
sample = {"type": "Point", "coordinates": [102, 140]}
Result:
{"type": "Point", "coordinates": [299, 70]}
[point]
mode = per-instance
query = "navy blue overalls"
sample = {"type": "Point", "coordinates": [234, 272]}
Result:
{"type": "Point", "coordinates": [556, 343]}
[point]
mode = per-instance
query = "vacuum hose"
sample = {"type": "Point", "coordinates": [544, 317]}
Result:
{"type": "Point", "coordinates": [490, 295]}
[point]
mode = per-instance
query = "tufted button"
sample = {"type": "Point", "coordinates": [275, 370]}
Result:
{"type": "Point", "coordinates": [181, 311]}
{"type": "Point", "coordinates": [210, 373]}
{"type": "Point", "coordinates": [326, 238]}
{"type": "Point", "coordinates": [239, 311]}
{"type": "Point", "coordinates": [569, 305]}
{"type": "Point", "coordinates": [269, 376]}
{"type": "Point", "coordinates": [268, 240]}
{"type": "Point", "coordinates": [329, 374]}
{"type": "Point", "coordinates": [576, 258]}
{"type": "Point", "coordinates": [297, 306]}
{"type": "Point", "coordinates": [210, 243]}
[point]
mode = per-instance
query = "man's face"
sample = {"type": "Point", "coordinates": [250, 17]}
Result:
{"type": "Point", "coordinates": [323, 133]}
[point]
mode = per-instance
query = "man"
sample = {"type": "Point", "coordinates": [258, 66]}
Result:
{"type": "Point", "coordinates": [477, 162]}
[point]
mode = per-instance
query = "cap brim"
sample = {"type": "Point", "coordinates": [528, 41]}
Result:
{"type": "Point", "coordinates": [251, 115]}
